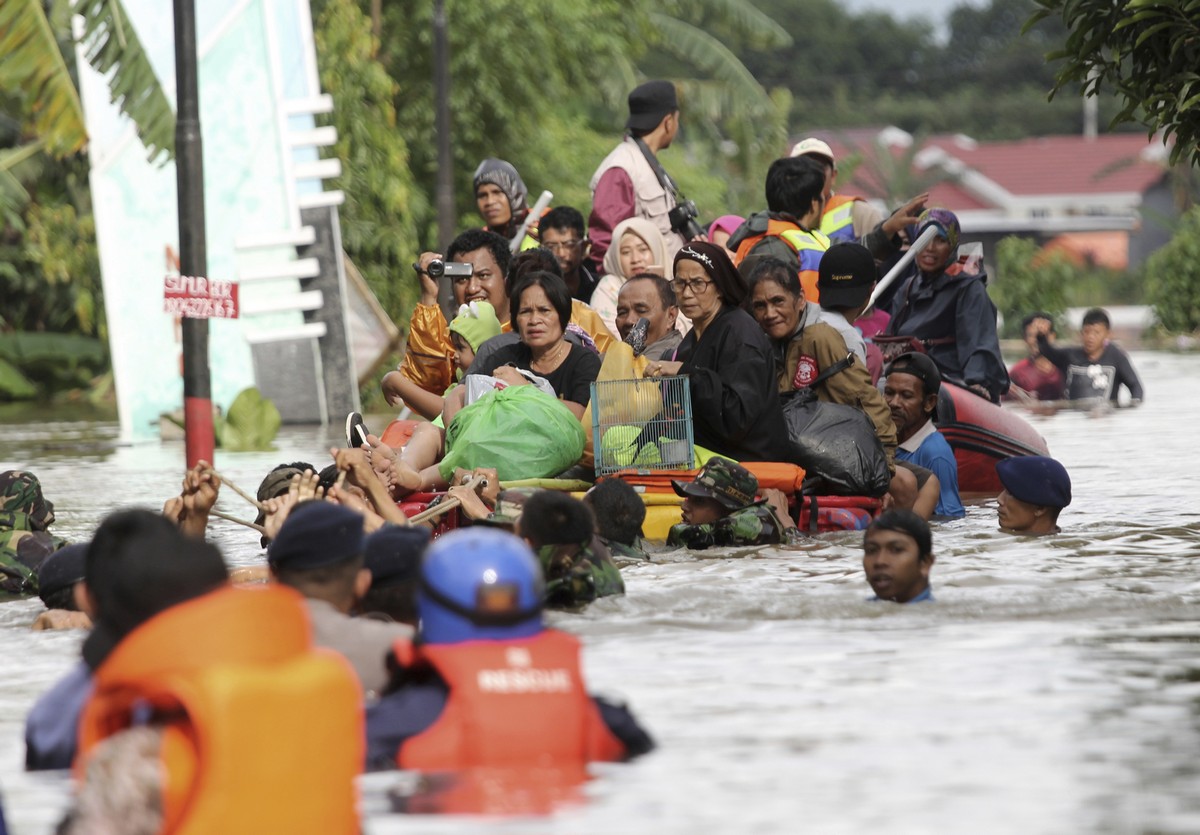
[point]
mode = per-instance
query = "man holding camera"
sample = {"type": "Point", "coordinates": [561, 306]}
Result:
{"type": "Point", "coordinates": [631, 182]}
{"type": "Point", "coordinates": [475, 266]}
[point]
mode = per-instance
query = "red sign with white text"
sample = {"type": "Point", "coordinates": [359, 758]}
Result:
{"type": "Point", "coordinates": [200, 298]}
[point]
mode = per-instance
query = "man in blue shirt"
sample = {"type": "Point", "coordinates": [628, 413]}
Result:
{"type": "Point", "coordinates": [911, 391]}
{"type": "Point", "coordinates": [898, 556]}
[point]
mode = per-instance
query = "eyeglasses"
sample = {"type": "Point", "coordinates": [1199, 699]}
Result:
{"type": "Point", "coordinates": [695, 285]}
{"type": "Point", "coordinates": [563, 246]}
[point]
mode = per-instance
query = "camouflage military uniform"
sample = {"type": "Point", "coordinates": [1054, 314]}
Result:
{"type": "Point", "coordinates": [622, 552]}
{"type": "Point", "coordinates": [24, 542]}
{"type": "Point", "coordinates": [575, 574]}
{"type": "Point", "coordinates": [578, 574]}
{"type": "Point", "coordinates": [749, 522]}
{"type": "Point", "coordinates": [756, 524]}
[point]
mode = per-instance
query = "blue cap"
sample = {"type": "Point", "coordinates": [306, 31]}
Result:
{"type": "Point", "coordinates": [317, 534]}
{"type": "Point", "coordinates": [479, 584]}
{"type": "Point", "coordinates": [1036, 480]}
{"type": "Point", "coordinates": [394, 555]}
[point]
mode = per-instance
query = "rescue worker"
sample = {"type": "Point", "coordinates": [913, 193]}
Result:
{"type": "Point", "coordinates": [898, 557]}
{"type": "Point", "coordinates": [182, 733]}
{"type": "Point", "coordinates": [487, 684]}
{"type": "Point", "coordinates": [619, 514]}
{"type": "Point", "coordinates": [393, 556]}
{"type": "Point", "coordinates": [137, 565]}
{"type": "Point", "coordinates": [562, 533]}
{"type": "Point", "coordinates": [58, 575]}
{"type": "Point", "coordinates": [25, 539]}
{"type": "Point", "coordinates": [845, 218]}
{"type": "Point", "coordinates": [720, 507]}
{"type": "Point", "coordinates": [1035, 376]}
{"type": "Point", "coordinates": [630, 182]}
{"type": "Point", "coordinates": [1036, 489]}
{"type": "Point", "coordinates": [319, 553]}
{"type": "Point", "coordinates": [789, 229]}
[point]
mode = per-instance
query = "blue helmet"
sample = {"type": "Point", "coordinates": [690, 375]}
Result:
{"type": "Point", "coordinates": [479, 584]}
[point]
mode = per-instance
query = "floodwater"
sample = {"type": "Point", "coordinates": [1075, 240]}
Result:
{"type": "Point", "coordinates": [1053, 688]}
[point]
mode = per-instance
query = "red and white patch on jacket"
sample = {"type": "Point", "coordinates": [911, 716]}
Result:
{"type": "Point", "coordinates": [806, 372]}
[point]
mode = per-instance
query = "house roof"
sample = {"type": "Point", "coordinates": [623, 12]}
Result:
{"type": "Point", "coordinates": [1101, 249]}
{"type": "Point", "coordinates": [993, 172]}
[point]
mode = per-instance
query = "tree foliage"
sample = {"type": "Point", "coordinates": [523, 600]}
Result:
{"type": "Point", "coordinates": [384, 210]}
{"type": "Point", "coordinates": [1147, 51]}
{"type": "Point", "coordinates": [1027, 280]}
{"type": "Point", "coordinates": [1172, 278]}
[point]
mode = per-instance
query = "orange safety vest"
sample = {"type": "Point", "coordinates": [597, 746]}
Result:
{"type": "Point", "coordinates": [837, 222]}
{"type": "Point", "coordinates": [512, 703]}
{"type": "Point", "coordinates": [262, 732]}
{"type": "Point", "coordinates": [808, 246]}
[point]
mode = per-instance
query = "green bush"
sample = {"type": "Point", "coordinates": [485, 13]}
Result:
{"type": "Point", "coordinates": [1172, 277]}
{"type": "Point", "coordinates": [1028, 280]}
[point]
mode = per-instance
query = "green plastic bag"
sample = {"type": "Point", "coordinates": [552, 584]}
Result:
{"type": "Point", "coordinates": [519, 430]}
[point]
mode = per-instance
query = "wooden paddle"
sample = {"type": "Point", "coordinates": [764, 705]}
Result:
{"type": "Point", "coordinates": [446, 505]}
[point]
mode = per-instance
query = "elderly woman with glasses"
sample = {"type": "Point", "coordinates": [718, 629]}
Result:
{"type": "Point", "coordinates": [729, 359]}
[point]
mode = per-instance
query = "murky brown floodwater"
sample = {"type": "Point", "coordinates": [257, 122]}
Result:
{"type": "Point", "coordinates": [1054, 688]}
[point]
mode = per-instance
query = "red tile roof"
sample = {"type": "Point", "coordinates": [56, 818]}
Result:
{"type": "Point", "coordinates": [1052, 165]}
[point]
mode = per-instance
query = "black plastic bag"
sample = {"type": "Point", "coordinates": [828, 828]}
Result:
{"type": "Point", "coordinates": [836, 445]}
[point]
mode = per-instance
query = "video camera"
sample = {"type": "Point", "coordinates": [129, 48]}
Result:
{"type": "Point", "coordinates": [439, 268]}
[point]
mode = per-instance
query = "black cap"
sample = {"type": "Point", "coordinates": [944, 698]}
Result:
{"type": "Point", "coordinates": [394, 555]}
{"type": "Point", "coordinates": [649, 103]}
{"type": "Point", "coordinates": [61, 570]}
{"type": "Point", "coordinates": [317, 534]}
{"type": "Point", "coordinates": [920, 366]}
{"type": "Point", "coordinates": [845, 276]}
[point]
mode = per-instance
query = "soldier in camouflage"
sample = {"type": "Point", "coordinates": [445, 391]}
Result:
{"type": "Point", "coordinates": [25, 516]}
{"type": "Point", "coordinates": [579, 568]}
{"type": "Point", "coordinates": [720, 508]}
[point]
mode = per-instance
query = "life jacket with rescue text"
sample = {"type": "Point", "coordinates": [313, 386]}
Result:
{"type": "Point", "coordinates": [808, 247]}
{"type": "Point", "coordinates": [837, 222]}
{"type": "Point", "coordinates": [261, 731]}
{"type": "Point", "coordinates": [511, 703]}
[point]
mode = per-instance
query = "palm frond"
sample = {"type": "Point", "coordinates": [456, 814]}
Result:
{"type": "Point", "coordinates": [113, 49]}
{"type": "Point", "coordinates": [700, 49]}
{"type": "Point", "coordinates": [741, 16]}
{"type": "Point", "coordinates": [31, 62]}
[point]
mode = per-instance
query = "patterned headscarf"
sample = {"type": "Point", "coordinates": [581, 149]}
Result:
{"type": "Point", "coordinates": [947, 225]}
{"type": "Point", "coordinates": [22, 504]}
{"type": "Point", "coordinates": [503, 174]}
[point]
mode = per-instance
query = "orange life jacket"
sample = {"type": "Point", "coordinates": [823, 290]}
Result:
{"type": "Point", "coordinates": [511, 703]}
{"type": "Point", "coordinates": [808, 246]}
{"type": "Point", "coordinates": [261, 732]}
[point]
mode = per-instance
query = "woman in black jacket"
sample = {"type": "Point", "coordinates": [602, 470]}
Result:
{"type": "Point", "coordinates": [735, 408]}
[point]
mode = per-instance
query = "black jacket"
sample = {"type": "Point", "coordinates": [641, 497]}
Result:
{"type": "Point", "coordinates": [735, 409]}
{"type": "Point", "coordinates": [938, 306]}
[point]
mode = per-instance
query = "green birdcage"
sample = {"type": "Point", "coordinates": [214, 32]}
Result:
{"type": "Point", "coordinates": [643, 424]}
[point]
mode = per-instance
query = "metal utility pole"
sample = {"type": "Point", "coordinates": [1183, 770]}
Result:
{"type": "Point", "coordinates": [441, 95]}
{"type": "Point", "coordinates": [193, 254]}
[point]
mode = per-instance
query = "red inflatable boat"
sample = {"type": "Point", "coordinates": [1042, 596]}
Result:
{"type": "Point", "coordinates": [982, 433]}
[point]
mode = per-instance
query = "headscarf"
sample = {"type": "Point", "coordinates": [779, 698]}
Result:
{"type": "Point", "coordinates": [947, 225]}
{"type": "Point", "coordinates": [645, 230]}
{"type": "Point", "coordinates": [715, 261]}
{"type": "Point", "coordinates": [726, 223]}
{"type": "Point", "coordinates": [499, 173]}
